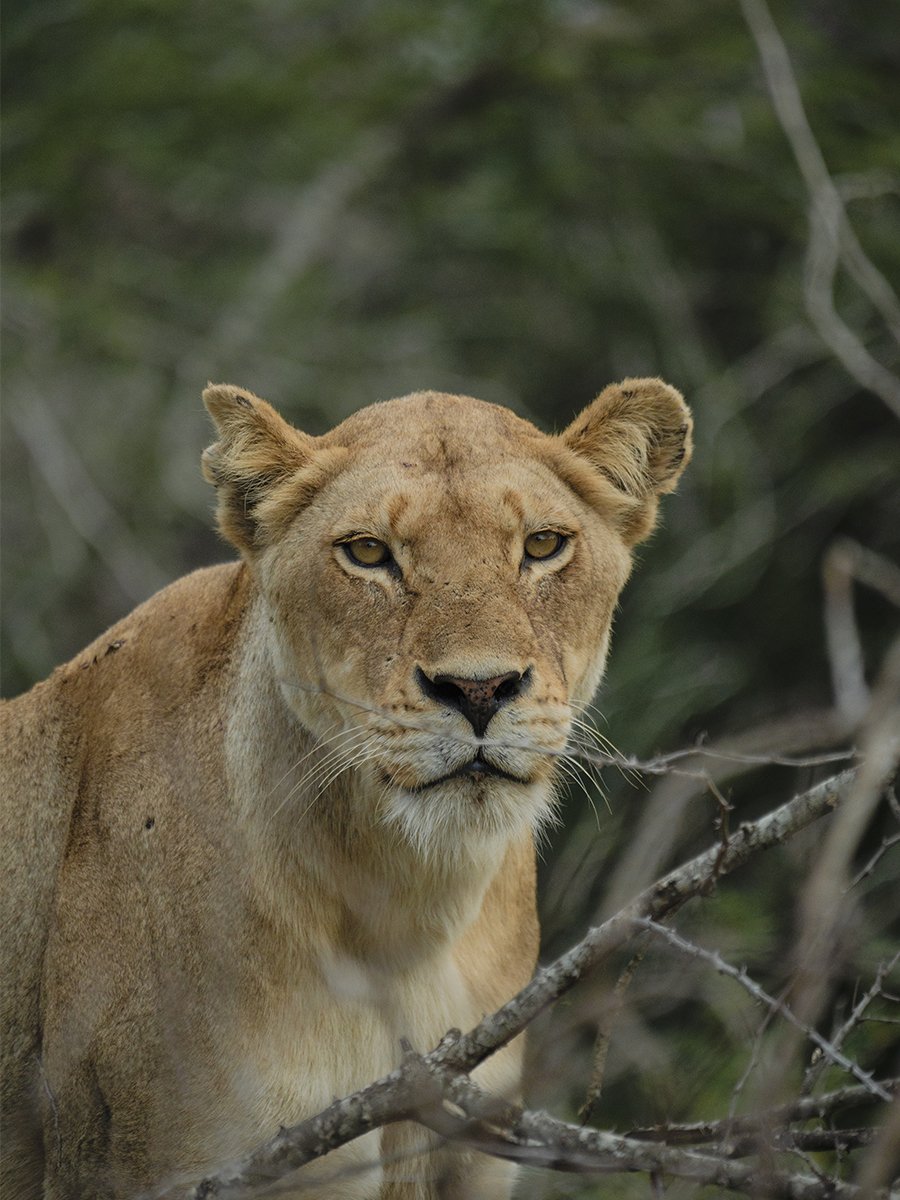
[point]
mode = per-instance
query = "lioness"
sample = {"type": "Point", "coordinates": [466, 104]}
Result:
{"type": "Point", "coordinates": [282, 815]}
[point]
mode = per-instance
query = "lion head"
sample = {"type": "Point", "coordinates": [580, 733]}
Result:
{"type": "Point", "coordinates": [440, 579]}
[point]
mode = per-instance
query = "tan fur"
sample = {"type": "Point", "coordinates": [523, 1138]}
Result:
{"type": "Point", "coordinates": [227, 894]}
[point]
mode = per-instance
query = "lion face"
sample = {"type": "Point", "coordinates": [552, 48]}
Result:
{"type": "Point", "coordinates": [440, 579]}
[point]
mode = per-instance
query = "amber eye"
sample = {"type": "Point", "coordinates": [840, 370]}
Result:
{"type": "Point", "coordinates": [544, 544]}
{"type": "Point", "coordinates": [367, 552]}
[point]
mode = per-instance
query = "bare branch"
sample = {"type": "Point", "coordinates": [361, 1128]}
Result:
{"type": "Point", "coordinates": [823, 903]}
{"type": "Point", "coordinates": [542, 1140]}
{"type": "Point", "coordinates": [666, 896]}
{"type": "Point", "coordinates": [830, 1050]}
{"type": "Point", "coordinates": [872, 569]}
{"type": "Point", "coordinates": [788, 104]}
{"type": "Point", "coordinates": [887, 843]}
{"type": "Point", "coordinates": [451, 1105]}
{"type": "Point", "coordinates": [845, 654]}
{"type": "Point", "coordinates": [846, 562]}
{"type": "Point", "coordinates": [822, 939]}
{"type": "Point", "coordinates": [831, 236]}
{"type": "Point", "coordinates": [859, 1009]}
{"type": "Point", "coordinates": [804, 1108]}
{"type": "Point", "coordinates": [604, 1034]}
{"type": "Point", "coordinates": [783, 740]}
{"type": "Point", "coordinates": [752, 1062]}
{"type": "Point", "coordinates": [402, 1094]}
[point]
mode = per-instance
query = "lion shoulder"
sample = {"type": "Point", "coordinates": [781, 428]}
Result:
{"type": "Point", "coordinates": [74, 752]}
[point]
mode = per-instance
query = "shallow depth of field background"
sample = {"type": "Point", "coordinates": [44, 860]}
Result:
{"type": "Point", "coordinates": [333, 202]}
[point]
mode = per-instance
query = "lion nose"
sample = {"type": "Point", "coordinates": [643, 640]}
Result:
{"type": "Point", "coordinates": [476, 699]}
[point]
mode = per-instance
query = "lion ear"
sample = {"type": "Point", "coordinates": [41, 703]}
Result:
{"type": "Point", "coordinates": [255, 452]}
{"type": "Point", "coordinates": [637, 434]}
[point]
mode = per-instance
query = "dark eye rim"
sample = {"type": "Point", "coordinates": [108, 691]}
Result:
{"type": "Point", "coordinates": [564, 539]}
{"type": "Point", "coordinates": [346, 545]}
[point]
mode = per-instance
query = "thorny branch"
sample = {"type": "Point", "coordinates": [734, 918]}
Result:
{"type": "Point", "coordinates": [859, 1009]}
{"type": "Point", "coordinates": [828, 1049]}
{"type": "Point", "coordinates": [804, 1108]}
{"type": "Point", "coordinates": [887, 843]}
{"type": "Point", "coordinates": [435, 1090]}
{"type": "Point", "coordinates": [541, 1140]}
{"type": "Point", "coordinates": [665, 897]}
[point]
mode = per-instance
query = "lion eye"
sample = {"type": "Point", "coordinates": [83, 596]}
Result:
{"type": "Point", "coordinates": [367, 552]}
{"type": "Point", "coordinates": [544, 544]}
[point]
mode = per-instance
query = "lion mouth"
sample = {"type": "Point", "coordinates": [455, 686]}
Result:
{"type": "Point", "coordinates": [477, 770]}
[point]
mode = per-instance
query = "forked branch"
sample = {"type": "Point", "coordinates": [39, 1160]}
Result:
{"type": "Point", "coordinates": [434, 1088]}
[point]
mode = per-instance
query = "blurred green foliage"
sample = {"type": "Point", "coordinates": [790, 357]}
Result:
{"type": "Point", "coordinates": [333, 203]}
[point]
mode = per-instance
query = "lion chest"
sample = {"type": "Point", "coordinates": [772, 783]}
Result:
{"type": "Point", "coordinates": [294, 1049]}
{"type": "Point", "coordinates": [269, 1047]}
{"type": "Point", "coordinates": [340, 1028]}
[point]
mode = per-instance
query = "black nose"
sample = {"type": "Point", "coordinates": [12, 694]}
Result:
{"type": "Point", "coordinates": [476, 699]}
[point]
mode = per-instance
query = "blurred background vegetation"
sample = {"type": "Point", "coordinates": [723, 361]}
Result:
{"type": "Point", "coordinates": [338, 201]}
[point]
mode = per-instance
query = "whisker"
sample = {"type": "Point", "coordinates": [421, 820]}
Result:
{"type": "Point", "coordinates": [319, 743]}
{"type": "Point", "coordinates": [309, 776]}
{"type": "Point", "coordinates": [335, 754]}
{"type": "Point", "coordinates": [362, 754]}
{"type": "Point", "coordinates": [357, 755]}
{"type": "Point", "coordinates": [424, 724]}
{"type": "Point", "coordinates": [574, 780]}
{"type": "Point", "coordinates": [608, 752]}
{"type": "Point", "coordinates": [593, 769]}
{"type": "Point", "coordinates": [594, 779]}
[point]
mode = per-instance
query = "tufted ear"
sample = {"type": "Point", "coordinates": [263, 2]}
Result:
{"type": "Point", "coordinates": [257, 450]}
{"type": "Point", "coordinates": [637, 434]}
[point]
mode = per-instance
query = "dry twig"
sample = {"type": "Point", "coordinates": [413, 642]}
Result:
{"type": "Point", "coordinates": [828, 1048]}
{"type": "Point", "coordinates": [403, 1095]}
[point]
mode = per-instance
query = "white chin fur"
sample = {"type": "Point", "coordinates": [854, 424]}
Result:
{"type": "Point", "coordinates": [463, 819]}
